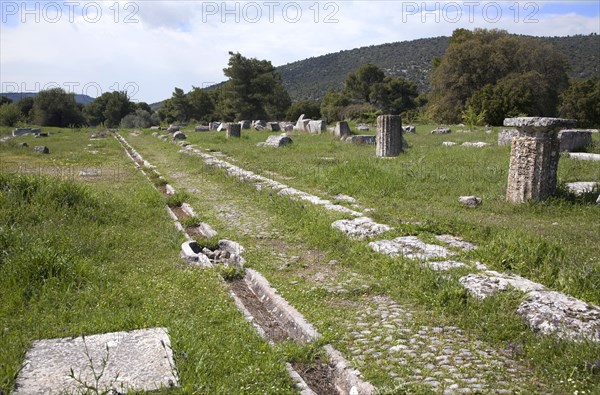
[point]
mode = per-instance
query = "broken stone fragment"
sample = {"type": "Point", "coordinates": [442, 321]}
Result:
{"type": "Point", "coordinates": [341, 129]}
{"type": "Point", "coordinates": [277, 140]}
{"type": "Point", "coordinates": [554, 313]}
{"type": "Point", "coordinates": [360, 228]}
{"type": "Point", "coordinates": [41, 149]}
{"type": "Point", "coordinates": [456, 241]}
{"type": "Point", "coordinates": [179, 136]}
{"type": "Point", "coordinates": [470, 201]}
{"type": "Point", "coordinates": [441, 130]}
{"type": "Point", "coordinates": [231, 246]}
{"type": "Point", "coordinates": [478, 144]}
{"type": "Point", "coordinates": [483, 285]}
{"type": "Point", "coordinates": [206, 230]}
{"type": "Point", "coordinates": [193, 253]}
{"type": "Point", "coordinates": [443, 265]}
{"type": "Point", "coordinates": [410, 247]}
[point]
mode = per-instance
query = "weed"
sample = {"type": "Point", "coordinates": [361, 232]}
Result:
{"type": "Point", "coordinates": [94, 387]}
{"type": "Point", "coordinates": [230, 272]}
{"type": "Point", "coordinates": [190, 222]}
{"type": "Point", "coordinates": [177, 199]}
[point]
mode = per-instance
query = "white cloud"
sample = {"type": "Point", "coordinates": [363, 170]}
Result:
{"type": "Point", "coordinates": [184, 43]}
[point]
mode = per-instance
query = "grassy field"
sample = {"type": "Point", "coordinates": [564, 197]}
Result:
{"type": "Point", "coordinates": [112, 264]}
{"type": "Point", "coordinates": [80, 258]}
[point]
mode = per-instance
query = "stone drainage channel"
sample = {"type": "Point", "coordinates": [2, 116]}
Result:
{"type": "Point", "coordinates": [272, 316]}
{"type": "Point", "coordinates": [545, 311]}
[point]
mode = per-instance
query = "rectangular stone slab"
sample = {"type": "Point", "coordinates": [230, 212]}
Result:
{"type": "Point", "coordinates": [127, 361]}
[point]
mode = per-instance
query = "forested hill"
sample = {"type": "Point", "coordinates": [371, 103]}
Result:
{"type": "Point", "coordinates": [311, 78]}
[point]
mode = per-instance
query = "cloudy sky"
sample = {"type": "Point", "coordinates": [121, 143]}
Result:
{"type": "Point", "coordinates": [149, 47]}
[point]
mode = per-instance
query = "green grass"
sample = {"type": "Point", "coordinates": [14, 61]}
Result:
{"type": "Point", "coordinates": [84, 259]}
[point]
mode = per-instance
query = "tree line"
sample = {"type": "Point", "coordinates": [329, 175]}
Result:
{"type": "Point", "coordinates": [55, 107]}
{"type": "Point", "coordinates": [483, 77]}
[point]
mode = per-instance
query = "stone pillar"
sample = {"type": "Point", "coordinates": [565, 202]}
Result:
{"type": "Point", "coordinates": [234, 130]}
{"type": "Point", "coordinates": [389, 135]}
{"type": "Point", "coordinates": [534, 158]}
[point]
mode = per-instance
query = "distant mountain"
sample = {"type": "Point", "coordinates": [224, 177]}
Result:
{"type": "Point", "coordinates": [311, 78]}
{"type": "Point", "coordinates": [16, 96]}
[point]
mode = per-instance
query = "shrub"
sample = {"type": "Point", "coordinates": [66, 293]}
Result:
{"type": "Point", "coordinates": [9, 115]}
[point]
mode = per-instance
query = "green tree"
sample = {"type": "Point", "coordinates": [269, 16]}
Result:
{"type": "Point", "coordinates": [9, 114]}
{"type": "Point", "coordinates": [180, 107]}
{"type": "Point", "coordinates": [138, 119]}
{"type": "Point", "coordinates": [394, 95]}
{"type": "Point", "coordinates": [359, 84]}
{"type": "Point", "coordinates": [254, 90]}
{"type": "Point", "coordinates": [117, 107]}
{"type": "Point", "coordinates": [333, 104]}
{"type": "Point", "coordinates": [109, 109]}
{"type": "Point", "coordinates": [581, 101]}
{"type": "Point", "coordinates": [311, 109]}
{"type": "Point", "coordinates": [165, 112]}
{"type": "Point", "coordinates": [4, 100]}
{"type": "Point", "coordinates": [25, 105]}
{"type": "Point", "coordinates": [201, 105]}
{"type": "Point", "coordinates": [55, 107]}
{"type": "Point", "coordinates": [518, 94]}
{"type": "Point", "coordinates": [143, 106]}
{"type": "Point", "coordinates": [478, 60]}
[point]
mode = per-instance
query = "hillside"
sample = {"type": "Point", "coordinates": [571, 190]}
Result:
{"type": "Point", "coordinates": [311, 78]}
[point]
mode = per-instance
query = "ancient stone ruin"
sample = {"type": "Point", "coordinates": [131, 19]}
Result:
{"type": "Point", "coordinates": [470, 201]}
{"type": "Point", "coordinates": [574, 140]}
{"type": "Point", "coordinates": [409, 129]}
{"type": "Point", "coordinates": [534, 158]}
{"type": "Point", "coordinates": [569, 139]}
{"type": "Point", "coordinates": [361, 139]}
{"type": "Point", "coordinates": [273, 127]}
{"type": "Point", "coordinates": [316, 126]}
{"type": "Point", "coordinates": [341, 129]}
{"type": "Point", "coordinates": [441, 130]}
{"type": "Point", "coordinates": [23, 131]}
{"type": "Point", "coordinates": [276, 141]}
{"type": "Point", "coordinates": [117, 362]}
{"type": "Point", "coordinates": [389, 136]}
{"type": "Point", "coordinates": [41, 149]}
{"type": "Point", "coordinates": [173, 128]}
{"type": "Point", "coordinates": [505, 136]}
{"type": "Point", "coordinates": [234, 130]}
